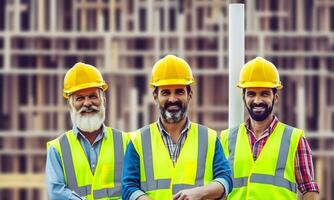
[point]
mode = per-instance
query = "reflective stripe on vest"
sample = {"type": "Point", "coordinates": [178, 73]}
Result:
{"type": "Point", "coordinates": [69, 168]}
{"type": "Point", "coordinates": [86, 190]}
{"type": "Point", "coordinates": [232, 140]}
{"type": "Point", "coordinates": [156, 184]}
{"type": "Point", "coordinates": [118, 160]}
{"type": "Point", "coordinates": [276, 180]}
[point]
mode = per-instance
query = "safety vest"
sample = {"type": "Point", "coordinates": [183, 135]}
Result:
{"type": "Point", "coordinates": [272, 175]}
{"type": "Point", "coordinates": [104, 183]}
{"type": "Point", "coordinates": [159, 178]}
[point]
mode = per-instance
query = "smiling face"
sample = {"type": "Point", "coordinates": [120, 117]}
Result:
{"type": "Point", "coordinates": [87, 109]}
{"type": "Point", "coordinates": [260, 102]}
{"type": "Point", "coordinates": [173, 102]}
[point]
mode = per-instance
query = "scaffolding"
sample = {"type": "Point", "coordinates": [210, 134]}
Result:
{"type": "Point", "coordinates": [41, 39]}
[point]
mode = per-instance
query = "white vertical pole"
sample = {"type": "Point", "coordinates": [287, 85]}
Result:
{"type": "Point", "coordinates": [133, 109]}
{"type": "Point", "coordinates": [236, 59]}
{"type": "Point", "coordinates": [301, 105]}
{"type": "Point", "coordinates": [180, 29]}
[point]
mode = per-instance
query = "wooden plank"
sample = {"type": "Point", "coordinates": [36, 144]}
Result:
{"type": "Point", "coordinates": [27, 181]}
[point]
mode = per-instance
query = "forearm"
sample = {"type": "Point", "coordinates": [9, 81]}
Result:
{"type": "Point", "coordinates": [310, 196]}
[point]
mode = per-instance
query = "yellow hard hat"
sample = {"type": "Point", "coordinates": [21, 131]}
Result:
{"type": "Point", "coordinates": [82, 76]}
{"type": "Point", "coordinates": [259, 72]}
{"type": "Point", "coordinates": [171, 70]}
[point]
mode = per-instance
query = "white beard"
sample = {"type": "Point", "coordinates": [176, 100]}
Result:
{"type": "Point", "coordinates": [88, 123]}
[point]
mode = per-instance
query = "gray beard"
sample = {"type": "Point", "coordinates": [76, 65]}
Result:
{"type": "Point", "coordinates": [172, 117]}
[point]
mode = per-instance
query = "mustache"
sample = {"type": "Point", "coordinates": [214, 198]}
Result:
{"type": "Point", "coordinates": [88, 109]}
{"type": "Point", "coordinates": [263, 105]}
{"type": "Point", "coordinates": [176, 103]}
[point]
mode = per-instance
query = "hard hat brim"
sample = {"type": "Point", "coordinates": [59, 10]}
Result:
{"type": "Point", "coordinates": [67, 93]}
{"type": "Point", "coordinates": [171, 82]}
{"type": "Point", "coordinates": [259, 85]}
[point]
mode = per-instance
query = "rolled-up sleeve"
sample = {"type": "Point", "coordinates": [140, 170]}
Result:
{"type": "Point", "coordinates": [221, 169]}
{"type": "Point", "coordinates": [131, 174]}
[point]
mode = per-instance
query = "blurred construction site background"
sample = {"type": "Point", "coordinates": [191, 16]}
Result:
{"type": "Point", "coordinates": [41, 39]}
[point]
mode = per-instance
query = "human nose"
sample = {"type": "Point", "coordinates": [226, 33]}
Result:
{"type": "Point", "coordinates": [257, 99]}
{"type": "Point", "coordinates": [172, 98]}
{"type": "Point", "coordinates": [87, 102]}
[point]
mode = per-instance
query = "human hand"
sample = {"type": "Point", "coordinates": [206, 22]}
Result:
{"type": "Point", "coordinates": [189, 194]}
{"type": "Point", "coordinates": [143, 197]}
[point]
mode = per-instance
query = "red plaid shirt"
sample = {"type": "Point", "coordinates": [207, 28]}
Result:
{"type": "Point", "coordinates": [303, 162]}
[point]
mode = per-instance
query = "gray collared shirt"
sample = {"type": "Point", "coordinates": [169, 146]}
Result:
{"type": "Point", "coordinates": [174, 148]}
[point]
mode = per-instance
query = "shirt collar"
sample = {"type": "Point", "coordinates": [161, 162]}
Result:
{"type": "Point", "coordinates": [162, 130]}
{"type": "Point", "coordinates": [268, 130]}
{"type": "Point", "coordinates": [77, 132]}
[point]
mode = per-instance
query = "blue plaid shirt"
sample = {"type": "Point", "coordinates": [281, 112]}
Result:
{"type": "Point", "coordinates": [174, 148]}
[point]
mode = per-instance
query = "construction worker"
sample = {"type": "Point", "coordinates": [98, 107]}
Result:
{"type": "Point", "coordinates": [174, 158]}
{"type": "Point", "coordinates": [268, 159]}
{"type": "Point", "coordinates": [86, 162]}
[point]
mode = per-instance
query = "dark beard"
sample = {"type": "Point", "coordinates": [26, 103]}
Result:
{"type": "Point", "coordinates": [263, 115]}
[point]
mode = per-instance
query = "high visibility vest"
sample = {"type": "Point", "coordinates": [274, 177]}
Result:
{"type": "Point", "coordinates": [104, 183]}
{"type": "Point", "coordinates": [272, 175]}
{"type": "Point", "coordinates": [159, 178]}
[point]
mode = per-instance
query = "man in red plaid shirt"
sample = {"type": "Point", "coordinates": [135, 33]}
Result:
{"type": "Point", "coordinates": [268, 159]}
